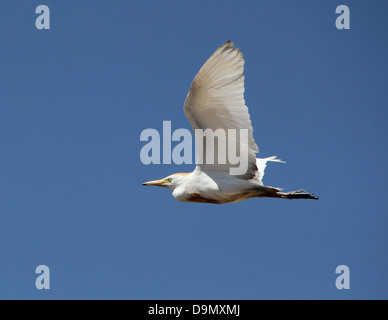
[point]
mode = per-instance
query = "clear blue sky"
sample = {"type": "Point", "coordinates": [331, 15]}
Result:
{"type": "Point", "coordinates": [74, 100]}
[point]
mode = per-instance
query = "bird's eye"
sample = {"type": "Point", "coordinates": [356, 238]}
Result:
{"type": "Point", "coordinates": [169, 179]}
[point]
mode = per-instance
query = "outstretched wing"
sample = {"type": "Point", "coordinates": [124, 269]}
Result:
{"type": "Point", "coordinates": [216, 101]}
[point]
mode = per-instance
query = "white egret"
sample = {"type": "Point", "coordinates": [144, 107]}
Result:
{"type": "Point", "coordinates": [216, 101]}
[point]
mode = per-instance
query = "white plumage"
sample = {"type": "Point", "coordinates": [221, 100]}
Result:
{"type": "Point", "coordinates": [216, 101]}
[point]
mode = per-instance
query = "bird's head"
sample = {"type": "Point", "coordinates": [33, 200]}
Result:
{"type": "Point", "coordinates": [170, 182]}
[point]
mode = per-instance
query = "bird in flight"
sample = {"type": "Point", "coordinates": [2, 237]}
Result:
{"type": "Point", "coordinates": [216, 101]}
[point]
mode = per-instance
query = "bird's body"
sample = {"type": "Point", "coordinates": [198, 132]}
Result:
{"type": "Point", "coordinates": [216, 101]}
{"type": "Point", "coordinates": [214, 187]}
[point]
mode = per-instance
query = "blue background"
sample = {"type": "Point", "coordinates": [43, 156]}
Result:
{"type": "Point", "coordinates": [74, 100]}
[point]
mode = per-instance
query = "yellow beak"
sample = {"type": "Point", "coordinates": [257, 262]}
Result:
{"type": "Point", "coordinates": [159, 183]}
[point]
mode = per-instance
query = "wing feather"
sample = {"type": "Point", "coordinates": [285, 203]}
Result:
{"type": "Point", "coordinates": [216, 101]}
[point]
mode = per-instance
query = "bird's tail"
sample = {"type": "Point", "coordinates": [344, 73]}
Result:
{"type": "Point", "coordinates": [261, 164]}
{"type": "Point", "coordinates": [270, 192]}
